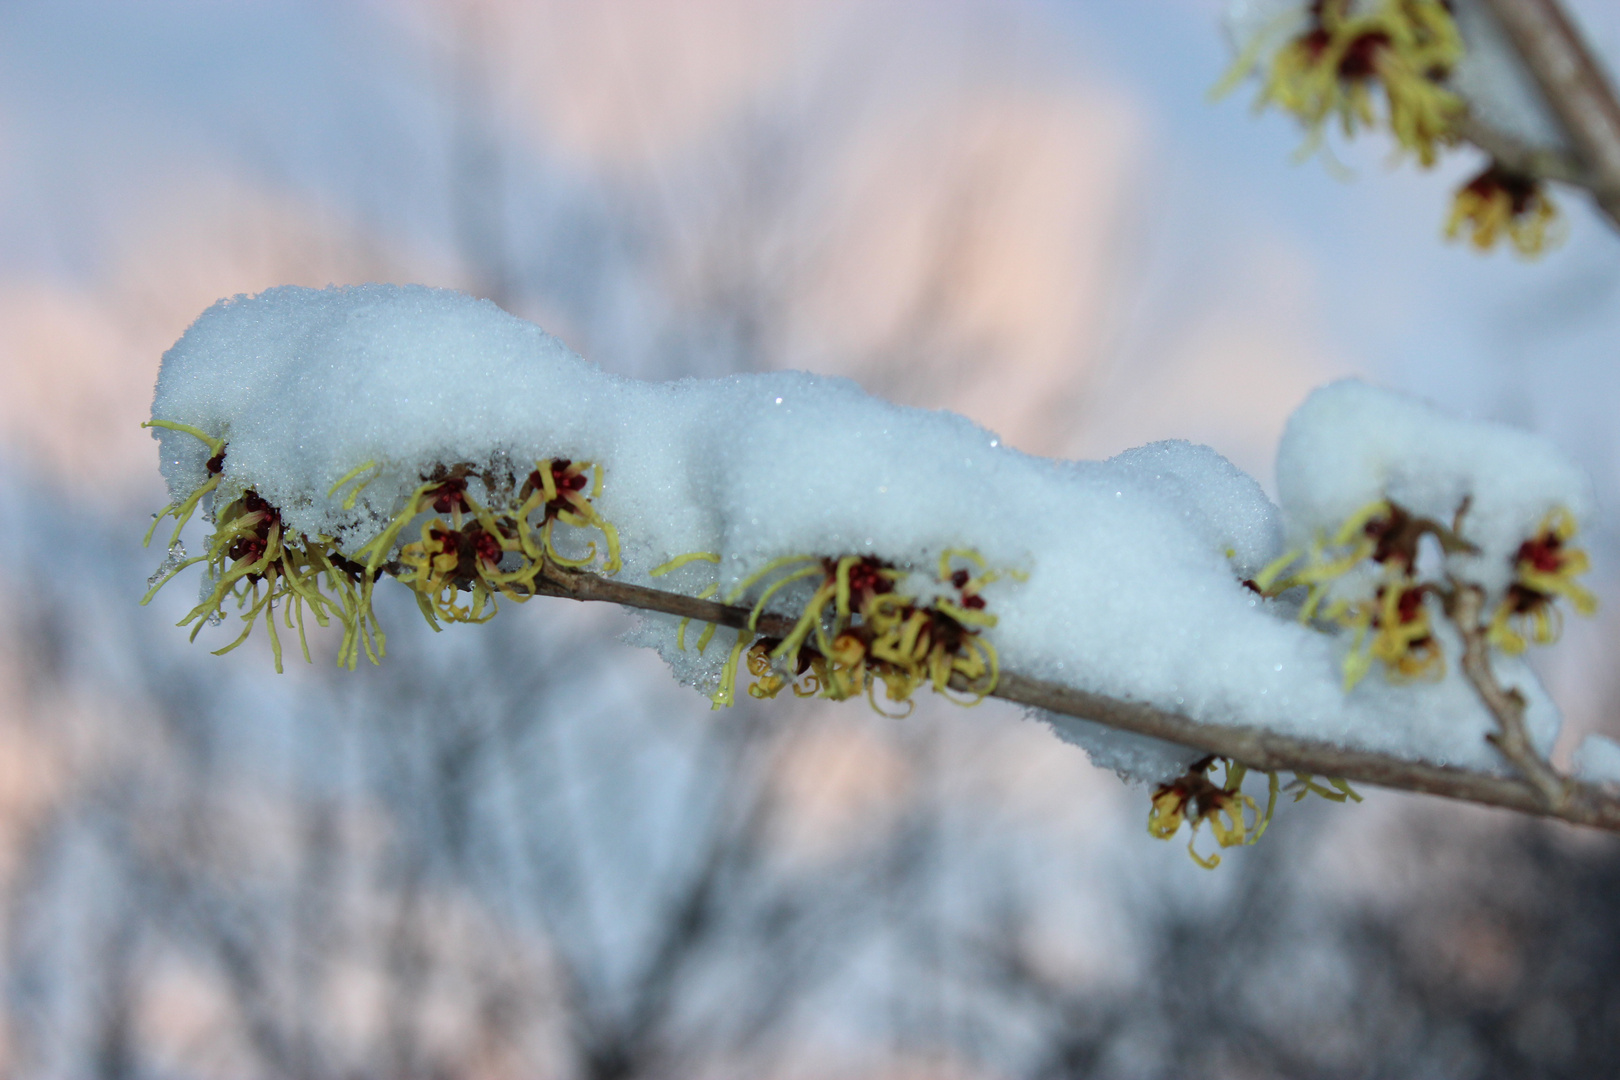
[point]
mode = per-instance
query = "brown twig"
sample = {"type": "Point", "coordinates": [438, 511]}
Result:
{"type": "Point", "coordinates": [1521, 158]}
{"type": "Point", "coordinates": [1575, 87]}
{"type": "Point", "coordinates": [1465, 605]}
{"type": "Point", "coordinates": [1581, 804]}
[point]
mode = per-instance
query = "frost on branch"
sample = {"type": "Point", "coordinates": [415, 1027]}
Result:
{"type": "Point", "coordinates": [1428, 72]}
{"type": "Point", "coordinates": [340, 437]}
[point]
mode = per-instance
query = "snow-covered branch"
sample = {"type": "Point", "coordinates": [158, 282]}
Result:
{"type": "Point", "coordinates": [1257, 748]}
{"type": "Point", "coordinates": [1155, 608]}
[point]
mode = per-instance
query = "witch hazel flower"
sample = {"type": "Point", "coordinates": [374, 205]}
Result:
{"type": "Point", "coordinates": [863, 622]}
{"type": "Point", "coordinates": [494, 550]}
{"type": "Point", "coordinates": [1328, 61]}
{"type": "Point", "coordinates": [1492, 509]}
{"type": "Point", "coordinates": [253, 560]}
{"type": "Point", "coordinates": [1365, 578]}
{"type": "Point", "coordinates": [1499, 203]}
{"type": "Point", "coordinates": [1544, 571]}
{"type": "Point", "coordinates": [1331, 59]}
{"type": "Point", "coordinates": [404, 502]}
{"type": "Point", "coordinates": [881, 630]}
{"type": "Point", "coordinates": [1233, 816]}
{"type": "Point", "coordinates": [465, 555]}
{"type": "Point", "coordinates": [1195, 799]}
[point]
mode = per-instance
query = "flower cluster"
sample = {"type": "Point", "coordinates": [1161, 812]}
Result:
{"type": "Point", "coordinates": [254, 560]}
{"type": "Point", "coordinates": [1544, 569]}
{"type": "Point", "coordinates": [1365, 579]}
{"type": "Point", "coordinates": [489, 551]}
{"type": "Point", "coordinates": [1347, 50]}
{"type": "Point", "coordinates": [464, 547]}
{"type": "Point", "coordinates": [863, 624]}
{"type": "Point", "coordinates": [1499, 202]}
{"type": "Point", "coordinates": [1234, 818]}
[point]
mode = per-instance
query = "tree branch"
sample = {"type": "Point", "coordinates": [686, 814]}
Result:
{"type": "Point", "coordinates": [1522, 158]}
{"type": "Point", "coordinates": [1268, 751]}
{"type": "Point", "coordinates": [1576, 88]}
{"type": "Point", "coordinates": [1466, 604]}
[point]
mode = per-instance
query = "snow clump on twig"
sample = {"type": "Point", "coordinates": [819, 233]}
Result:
{"type": "Point", "coordinates": [348, 434]}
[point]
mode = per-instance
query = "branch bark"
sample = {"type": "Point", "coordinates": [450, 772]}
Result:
{"type": "Point", "coordinates": [1465, 608]}
{"type": "Point", "coordinates": [1524, 159]}
{"type": "Point", "coordinates": [1268, 751]}
{"type": "Point", "coordinates": [1575, 87]}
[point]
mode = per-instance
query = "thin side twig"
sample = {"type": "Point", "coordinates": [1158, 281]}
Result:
{"type": "Point", "coordinates": [1513, 740]}
{"type": "Point", "coordinates": [1523, 159]}
{"type": "Point", "coordinates": [1268, 751]}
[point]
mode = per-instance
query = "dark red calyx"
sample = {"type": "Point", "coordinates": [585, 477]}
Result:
{"type": "Point", "coordinates": [1361, 58]}
{"type": "Point", "coordinates": [253, 504]}
{"type": "Point", "coordinates": [249, 547]}
{"type": "Point", "coordinates": [485, 546]}
{"type": "Point", "coordinates": [1520, 189]}
{"type": "Point", "coordinates": [866, 577]}
{"type": "Point", "coordinates": [451, 495]}
{"type": "Point", "coordinates": [1544, 553]}
{"type": "Point", "coordinates": [1524, 599]}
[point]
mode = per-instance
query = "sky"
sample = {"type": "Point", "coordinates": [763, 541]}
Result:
{"type": "Point", "coordinates": [127, 130]}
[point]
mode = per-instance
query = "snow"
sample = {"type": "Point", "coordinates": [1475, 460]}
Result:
{"type": "Point", "coordinates": [305, 385]}
{"type": "Point", "coordinates": [1130, 573]}
{"type": "Point", "coordinates": [1597, 760]}
{"type": "Point", "coordinates": [1350, 444]}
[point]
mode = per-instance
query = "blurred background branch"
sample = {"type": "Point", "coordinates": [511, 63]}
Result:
{"type": "Point", "coordinates": [1577, 88]}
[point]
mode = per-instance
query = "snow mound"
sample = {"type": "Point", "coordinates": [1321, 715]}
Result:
{"type": "Point", "coordinates": [1351, 444]}
{"type": "Point", "coordinates": [1130, 577]}
{"type": "Point", "coordinates": [1597, 760]}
